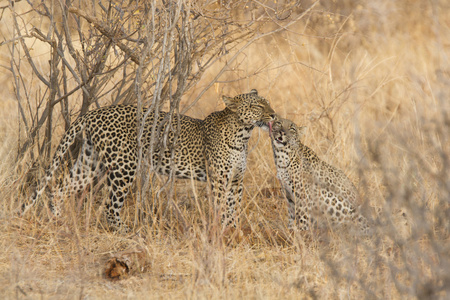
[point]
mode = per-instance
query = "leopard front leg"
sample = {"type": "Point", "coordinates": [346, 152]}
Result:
{"type": "Point", "coordinates": [233, 195]}
{"type": "Point", "coordinates": [225, 194]}
{"type": "Point", "coordinates": [298, 214]}
{"type": "Point", "coordinates": [302, 217]}
{"type": "Point", "coordinates": [302, 211]}
{"type": "Point", "coordinates": [291, 210]}
{"type": "Point", "coordinates": [218, 192]}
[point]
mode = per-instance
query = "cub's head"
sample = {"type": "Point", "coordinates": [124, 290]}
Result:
{"type": "Point", "coordinates": [251, 109]}
{"type": "Point", "coordinates": [284, 132]}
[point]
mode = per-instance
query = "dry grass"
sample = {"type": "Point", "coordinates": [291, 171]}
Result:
{"type": "Point", "coordinates": [371, 81]}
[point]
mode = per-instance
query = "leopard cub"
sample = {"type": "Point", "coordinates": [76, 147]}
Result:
{"type": "Point", "coordinates": [317, 193]}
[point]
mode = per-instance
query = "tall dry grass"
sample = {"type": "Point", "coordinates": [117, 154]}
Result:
{"type": "Point", "coordinates": [371, 80]}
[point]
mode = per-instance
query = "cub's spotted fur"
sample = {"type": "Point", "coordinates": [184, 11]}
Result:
{"type": "Point", "coordinates": [315, 191]}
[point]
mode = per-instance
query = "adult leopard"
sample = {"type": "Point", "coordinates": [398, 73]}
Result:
{"type": "Point", "coordinates": [316, 192]}
{"type": "Point", "coordinates": [215, 147]}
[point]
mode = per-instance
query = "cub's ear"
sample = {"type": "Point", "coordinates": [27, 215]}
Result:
{"type": "Point", "coordinates": [301, 130]}
{"type": "Point", "coordinates": [231, 103]}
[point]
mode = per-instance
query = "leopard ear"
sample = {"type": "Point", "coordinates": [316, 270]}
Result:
{"type": "Point", "coordinates": [301, 130]}
{"type": "Point", "coordinates": [231, 103]}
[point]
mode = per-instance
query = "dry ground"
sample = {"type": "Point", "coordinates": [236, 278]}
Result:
{"type": "Point", "coordinates": [376, 100]}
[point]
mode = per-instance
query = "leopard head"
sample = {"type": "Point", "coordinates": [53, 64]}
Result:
{"type": "Point", "coordinates": [251, 109]}
{"type": "Point", "coordinates": [284, 132]}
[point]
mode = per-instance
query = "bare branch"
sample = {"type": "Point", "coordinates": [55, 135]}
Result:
{"type": "Point", "coordinates": [106, 32]}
